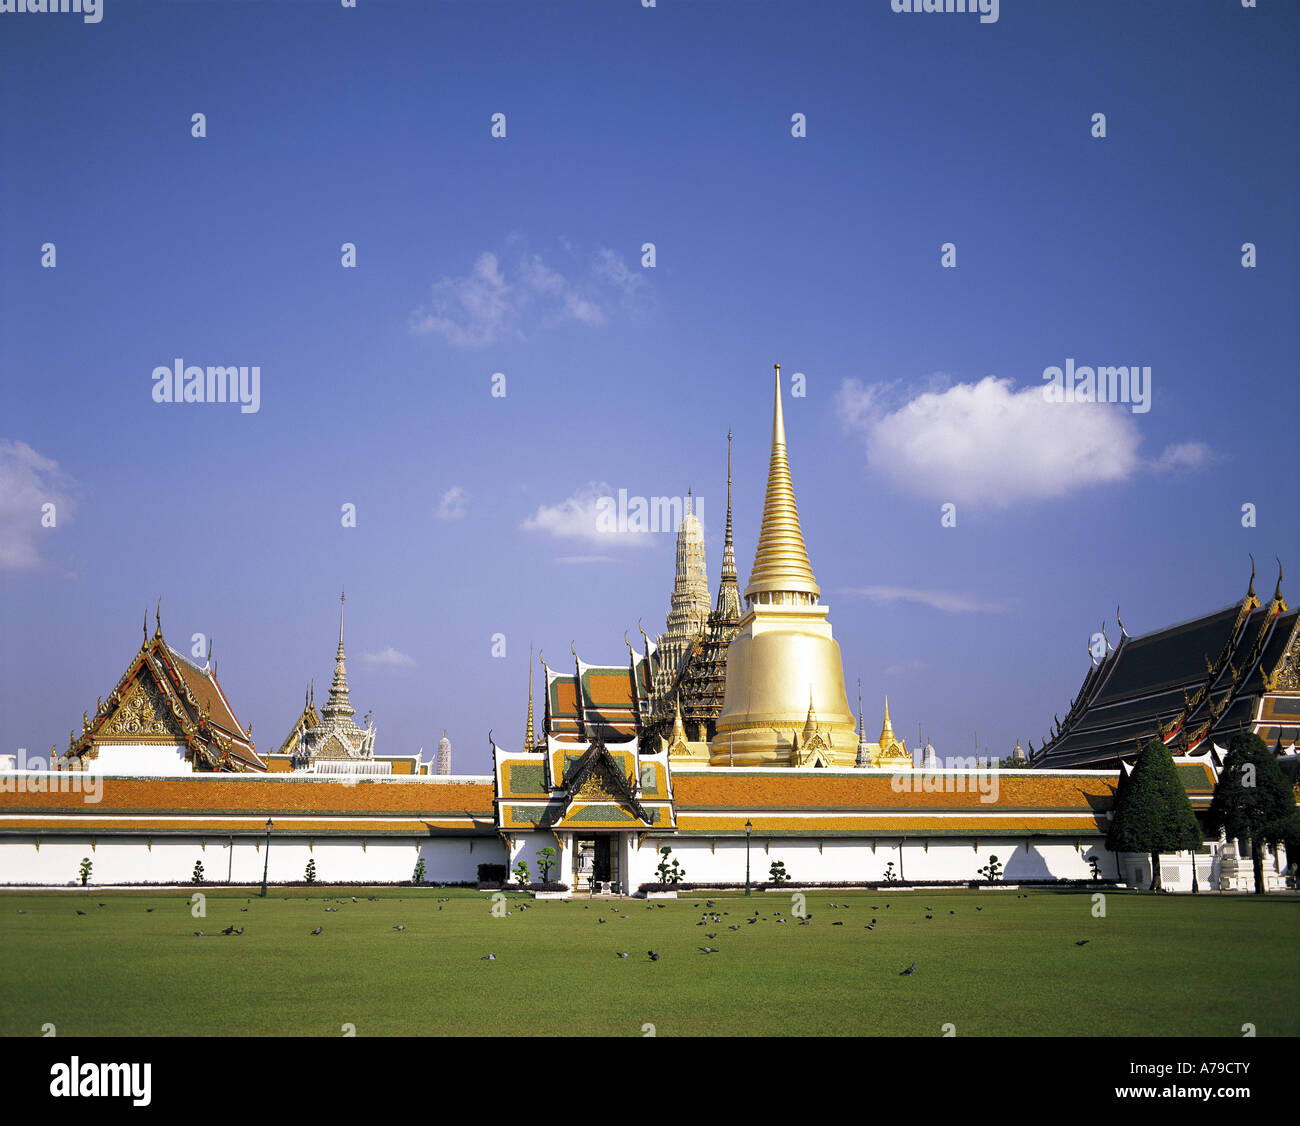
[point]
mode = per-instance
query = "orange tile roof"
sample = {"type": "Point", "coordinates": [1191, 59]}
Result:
{"type": "Point", "coordinates": [247, 826]}
{"type": "Point", "coordinates": [610, 690]}
{"type": "Point", "coordinates": [991, 825]}
{"type": "Point", "coordinates": [263, 796]}
{"type": "Point", "coordinates": [792, 791]}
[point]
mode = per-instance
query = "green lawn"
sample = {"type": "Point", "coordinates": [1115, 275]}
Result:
{"type": "Point", "coordinates": [1154, 966]}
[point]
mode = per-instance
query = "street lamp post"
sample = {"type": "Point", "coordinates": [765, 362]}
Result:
{"type": "Point", "coordinates": [266, 862]}
{"type": "Point", "coordinates": [749, 828]}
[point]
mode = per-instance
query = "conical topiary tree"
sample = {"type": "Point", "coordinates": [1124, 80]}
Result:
{"type": "Point", "coordinates": [1152, 811]}
{"type": "Point", "coordinates": [1252, 799]}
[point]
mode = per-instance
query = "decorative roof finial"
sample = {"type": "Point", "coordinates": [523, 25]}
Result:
{"type": "Point", "coordinates": [887, 729]}
{"type": "Point", "coordinates": [1122, 630]}
{"type": "Point", "coordinates": [1277, 591]}
{"type": "Point", "coordinates": [145, 626]}
{"type": "Point", "coordinates": [1250, 593]}
{"type": "Point", "coordinates": [530, 738]}
{"type": "Point", "coordinates": [157, 616]}
{"type": "Point", "coordinates": [339, 703]}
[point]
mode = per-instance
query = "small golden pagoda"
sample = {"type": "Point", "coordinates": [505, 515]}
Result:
{"type": "Point", "coordinates": [784, 669]}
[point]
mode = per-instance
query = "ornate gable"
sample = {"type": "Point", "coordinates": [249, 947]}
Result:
{"type": "Point", "coordinates": [145, 714]}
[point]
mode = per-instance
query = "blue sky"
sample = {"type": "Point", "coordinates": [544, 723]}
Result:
{"type": "Point", "coordinates": [522, 255]}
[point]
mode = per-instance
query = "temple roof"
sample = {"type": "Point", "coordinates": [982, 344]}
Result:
{"type": "Point", "coordinates": [164, 696]}
{"type": "Point", "coordinates": [1195, 683]}
{"type": "Point", "coordinates": [596, 701]}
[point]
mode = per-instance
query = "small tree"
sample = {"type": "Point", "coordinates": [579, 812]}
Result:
{"type": "Point", "coordinates": [546, 861]}
{"type": "Point", "coordinates": [86, 866]}
{"type": "Point", "coordinates": [1152, 811]}
{"type": "Point", "coordinates": [669, 873]}
{"type": "Point", "coordinates": [1252, 799]}
{"type": "Point", "coordinates": [197, 877]}
{"type": "Point", "coordinates": [889, 873]}
{"type": "Point", "coordinates": [418, 877]}
{"type": "Point", "coordinates": [1095, 865]}
{"type": "Point", "coordinates": [521, 872]}
{"type": "Point", "coordinates": [777, 874]}
{"type": "Point", "coordinates": [311, 871]}
{"type": "Point", "coordinates": [992, 871]}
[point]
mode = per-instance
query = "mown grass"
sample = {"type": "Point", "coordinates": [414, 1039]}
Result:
{"type": "Point", "coordinates": [1153, 966]}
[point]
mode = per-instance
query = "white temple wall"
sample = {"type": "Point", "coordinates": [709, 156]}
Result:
{"type": "Point", "coordinates": [843, 859]}
{"type": "Point", "coordinates": [167, 760]}
{"type": "Point", "coordinates": [170, 860]}
{"type": "Point", "coordinates": [525, 848]}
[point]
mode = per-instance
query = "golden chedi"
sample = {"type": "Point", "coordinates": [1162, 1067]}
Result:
{"type": "Point", "coordinates": [784, 668]}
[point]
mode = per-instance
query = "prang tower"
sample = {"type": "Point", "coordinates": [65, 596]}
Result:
{"type": "Point", "coordinates": [784, 703]}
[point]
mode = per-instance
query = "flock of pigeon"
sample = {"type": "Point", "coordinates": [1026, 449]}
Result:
{"type": "Point", "coordinates": [710, 916]}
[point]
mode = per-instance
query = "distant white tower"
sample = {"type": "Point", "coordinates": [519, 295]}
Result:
{"type": "Point", "coordinates": [929, 757]}
{"type": "Point", "coordinates": [443, 761]}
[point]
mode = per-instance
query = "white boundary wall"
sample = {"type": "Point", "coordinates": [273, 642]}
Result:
{"type": "Point", "coordinates": [134, 860]}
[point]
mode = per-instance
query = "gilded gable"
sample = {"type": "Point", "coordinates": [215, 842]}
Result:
{"type": "Point", "coordinates": [143, 716]}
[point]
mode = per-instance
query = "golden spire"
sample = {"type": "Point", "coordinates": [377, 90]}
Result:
{"type": "Point", "coordinates": [530, 739]}
{"type": "Point", "coordinates": [679, 730]}
{"type": "Point", "coordinates": [781, 561]}
{"type": "Point", "coordinates": [887, 731]}
{"type": "Point", "coordinates": [810, 724]}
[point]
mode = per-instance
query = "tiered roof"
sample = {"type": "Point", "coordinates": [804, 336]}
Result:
{"type": "Point", "coordinates": [164, 697]}
{"type": "Point", "coordinates": [606, 702]}
{"type": "Point", "coordinates": [584, 785]}
{"type": "Point", "coordinates": [1193, 686]}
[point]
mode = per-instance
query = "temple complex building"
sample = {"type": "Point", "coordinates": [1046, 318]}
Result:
{"type": "Point", "coordinates": [1193, 686]}
{"type": "Point", "coordinates": [728, 740]}
{"type": "Point", "coordinates": [783, 662]}
{"type": "Point", "coordinates": [165, 715]}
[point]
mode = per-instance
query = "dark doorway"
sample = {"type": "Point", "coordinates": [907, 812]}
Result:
{"type": "Point", "coordinates": [601, 868]}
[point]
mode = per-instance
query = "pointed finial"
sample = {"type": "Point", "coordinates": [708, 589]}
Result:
{"type": "Point", "coordinates": [145, 627]}
{"type": "Point", "coordinates": [781, 563]}
{"type": "Point", "coordinates": [1250, 593]}
{"type": "Point", "coordinates": [1123, 632]}
{"type": "Point", "coordinates": [530, 737]}
{"type": "Point", "coordinates": [207, 661]}
{"type": "Point", "coordinates": [1277, 591]}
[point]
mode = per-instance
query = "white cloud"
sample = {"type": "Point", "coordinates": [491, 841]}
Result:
{"type": "Point", "coordinates": [468, 311]}
{"type": "Point", "coordinates": [28, 481]}
{"type": "Point", "coordinates": [583, 517]}
{"type": "Point", "coordinates": [389, 657]}
{"type": "Point", "coordinates": [498, 299]}
{"type": "Point", "coordinates": [946, 601]}
{"type": "Point", "coordinates": [1183, 455]}
{"type": "Point", "coordinates": [452, 504]}
{"type": "Point", "coordinates": [988, 445]}
{"type": "Point", "coordinates": [585, 559]}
